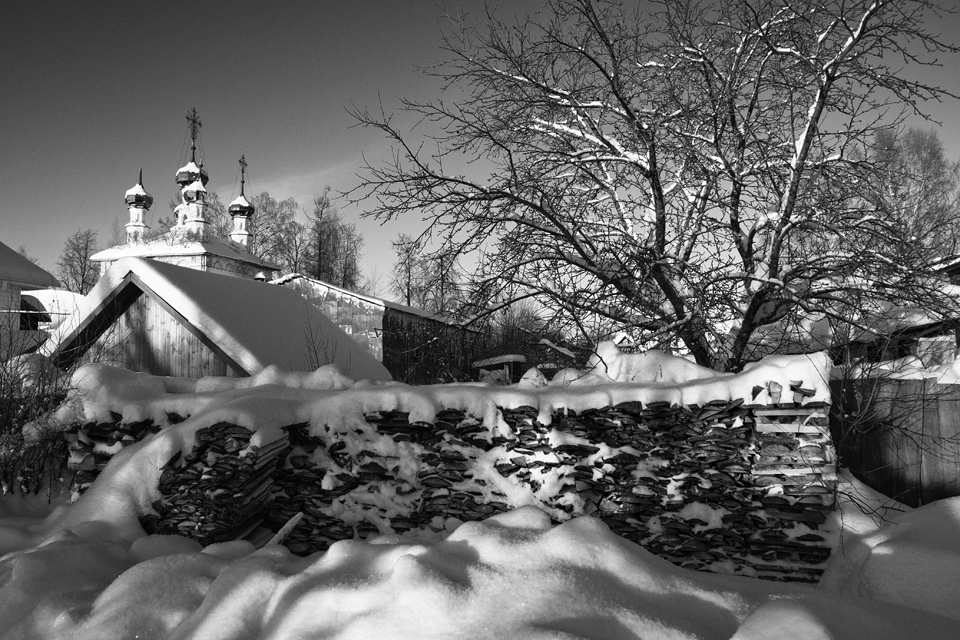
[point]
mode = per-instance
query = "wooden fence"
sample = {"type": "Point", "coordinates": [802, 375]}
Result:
{"type": "Point", "coordinates": [901, 437]}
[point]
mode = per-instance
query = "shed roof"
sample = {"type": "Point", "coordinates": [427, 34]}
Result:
{"type": "Point", "coordinates": [251, 323]}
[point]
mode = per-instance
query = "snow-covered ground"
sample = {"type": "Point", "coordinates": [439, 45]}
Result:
{"type": "Point", "coordinates": [87, 569]}
{"type": "Point", "coordinates": [512, 576]}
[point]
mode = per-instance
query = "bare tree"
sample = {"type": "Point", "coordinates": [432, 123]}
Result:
{"type": "Point", "coordinates": [430, 282]}
{"type": "Point", "coordinates": [74, 267]}
{"type": "Point", "coordinates": [293, 254]}
{"type": "Point", "coordinates": [22, 250]}
{"type": "Point", "coordinates": [690, 173]}
{"type": "Point", "coordinates": [407, 281]}
{"type": "Point", "coordinates": [272, 226]}
{"type": "Point", "coordinates": [336, 245]}
{"type": "Point", "coordinates": [918, 186]}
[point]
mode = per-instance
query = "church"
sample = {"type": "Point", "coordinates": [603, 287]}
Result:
{"type": "Point", "coordinates": [190, 242]}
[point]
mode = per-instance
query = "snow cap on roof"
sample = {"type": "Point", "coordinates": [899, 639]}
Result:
{"type": "Point", "coordinates": [191, 172]}
{"type": "Point", "coordinates": [240, 206]}
{"type": "Point", "coordinates": [137, 195]}
{"type": "Point", "coordinates": [192, 190]}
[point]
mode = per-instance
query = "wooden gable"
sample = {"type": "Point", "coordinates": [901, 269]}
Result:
{"type": "Point", "coordinates": [136, 329]}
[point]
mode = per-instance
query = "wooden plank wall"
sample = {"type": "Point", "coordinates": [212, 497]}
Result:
{"type": "Point", "coordinates": [901, 437]}
{"type": "Point", "coordinates": [419, 350]}
{"type": "Point", "coordinates": [148, 339]}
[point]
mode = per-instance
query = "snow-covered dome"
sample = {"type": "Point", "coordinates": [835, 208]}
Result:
{"type": "Point", "coordinates": [191, 172]}
{"type": "Point", "coordinates": [138, 196]}
{"type": "Point", "coordinates": [194, 191]}
{"type": "Point", "coordinates": [241, 207]}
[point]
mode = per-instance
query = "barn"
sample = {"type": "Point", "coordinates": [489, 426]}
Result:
{"type": "Point", "coordinates": [159, 318]}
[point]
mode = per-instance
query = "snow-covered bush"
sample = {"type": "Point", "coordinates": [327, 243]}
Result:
{"type": "Point", "coordinates": [32, 452]}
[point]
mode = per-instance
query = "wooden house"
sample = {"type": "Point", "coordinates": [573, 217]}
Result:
{"type": "Point", "coordinates": [162, 319]}
{"type": "Point", "coordinates": [20, 316]}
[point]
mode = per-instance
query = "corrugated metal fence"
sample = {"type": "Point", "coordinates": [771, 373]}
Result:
{"type": "Point", "coordinates": [901, 437]}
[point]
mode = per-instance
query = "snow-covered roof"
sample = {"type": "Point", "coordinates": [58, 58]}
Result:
{"type": "Point", "coordinates": [382, 302]}
{"type": "Point", "coordinates": [189, 168]}
{"type": "Point", "coordinates": [18, 270]}
{"type": "Point", "coordinates": [196, 185]}
{"type": "Point", "coordinates": [136, 190]}
{"type": "Point", "coordinates": [240, 201]}
{"type": "Point", "coordinates": [169, 245]}
{"type": "Point", "coordinates": [58, 303]}
{"type": "Point", "coordinates": [894, 319]}
{"type": "Point", "coordinates": [498, 360]}
{"type": "Point", "coordinates": [253, 323]}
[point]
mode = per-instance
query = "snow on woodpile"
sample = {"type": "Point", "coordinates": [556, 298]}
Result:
{"type": "Point", "coordinates": [728, 474]}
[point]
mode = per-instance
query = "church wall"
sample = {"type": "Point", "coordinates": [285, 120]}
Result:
{"type": "Point", "coordinates": [146, 338]}
{"type": "Point", "coordinates": [203, 262]}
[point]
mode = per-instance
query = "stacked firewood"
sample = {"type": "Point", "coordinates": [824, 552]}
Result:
{"type": "Point", "coordinates": [92, 445]}
{"type": "Point", "coordinates": [725, 486]}
{"type": "Point", "coordinates": [794, 470]}
{"type": "Point", "coordinates": [217, 491]}
{"type": "Point", "coordinates": [346, 487]}
{"type": "Point", "coordinates": [638, 466]}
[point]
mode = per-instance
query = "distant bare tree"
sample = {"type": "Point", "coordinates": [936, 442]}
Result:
{"type": "Point", "coordinates": [913, 182]}
{"type": "Point", "coordinates": [335, 245]}
{"type": "Point", "coordinates": [407, 281]}
{"type": "Point", "coordinates": [430, 282]}
{"type": "Point", "coordinates": [272, 225]}
{"type": "Point", "coordinates": [293, 254]}
{"type": "Point", "coordinates": [118, 234]}
{"type": "Point", "coordinates": [22, 250]}
{"type": "Point", "coordinates": [74, 267]}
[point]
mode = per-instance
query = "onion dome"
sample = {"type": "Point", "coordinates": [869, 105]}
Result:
{"type": "Point", "coordinates": [191, 172]}
{"type": "Point", "coordinates": [137, 196]}
{"type": "Point", "coordinates": [194, 191]}
{"type": "Point", "coordinates": [240, 207]}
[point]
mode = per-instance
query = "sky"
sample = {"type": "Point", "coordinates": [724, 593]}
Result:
{"type": "Point", "coordinates": [92, 92]}
{"type": "Point", "coordinates": [95, 91]}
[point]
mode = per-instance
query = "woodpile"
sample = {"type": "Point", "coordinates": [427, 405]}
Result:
{"type": "Point", "coordinates": [92, 445]}
{"type": "Point", "coordinates": [219, 490]}
{"type": "Point", "coordinates": [726, 486]}
{"type": "Point", "coordinates": [330, 475]}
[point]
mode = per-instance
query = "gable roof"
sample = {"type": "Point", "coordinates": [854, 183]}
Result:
{"type": "Point", "coordinates": [250, 324]}
{"type": "Point", "coordinates": [21, 272]}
